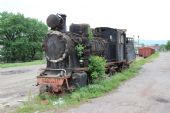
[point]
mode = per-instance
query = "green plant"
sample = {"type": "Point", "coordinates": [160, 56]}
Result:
{"type": "Point", "coordinates": [90, 34]}
{"type": "Point", "coordinates": [167, 46]}
{"type": "Point", "coordinates": [20, 37]}
{"type": "Point", "coordinates": [96, 66]}
{"type": "Point", "coordinates": [80, 50]}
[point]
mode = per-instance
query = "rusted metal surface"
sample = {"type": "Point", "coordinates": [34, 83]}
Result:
{"type": "Point", "coordinates": [114, 63]}
{"type": "Point", "coordinates": [115, 46]}
{"type": "Point", "coordinates": [130, 50]}
{"type": "Point", "coordinates": [146, 51]}
{"type": "Point", "coordinates": [81, 29]}
{"type": "Point", "coordinates": [80, 69]}
{"type": "Point", "coordinates": [107, 66]}
{"type": "Point", "coordinates": [54, 21]}
{"type": "Point", "coordinates": [54, 82]}
{"type": "Point", "coordinates": [57, 22]}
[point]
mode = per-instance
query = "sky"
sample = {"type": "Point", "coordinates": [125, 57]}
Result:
{"type": "Point", "coordinates": [148, 19]}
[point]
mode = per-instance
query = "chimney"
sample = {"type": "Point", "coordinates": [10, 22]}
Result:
{"type": "Point", "coordinates": [64, 28]}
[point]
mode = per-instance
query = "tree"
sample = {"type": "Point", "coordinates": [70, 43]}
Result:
{"type": "Point", "coordinates": [20, 37]}
{"type": "Point", "coordinates": [167, 46]}
{"type": "Point", "coordinates": [162, 47]}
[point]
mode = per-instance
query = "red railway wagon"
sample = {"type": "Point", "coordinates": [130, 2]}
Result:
{"type": "Point", "coordinates": [146, 51]}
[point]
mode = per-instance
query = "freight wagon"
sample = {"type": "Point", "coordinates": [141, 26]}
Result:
{"type": "Point", "coordinates": [146, 51]}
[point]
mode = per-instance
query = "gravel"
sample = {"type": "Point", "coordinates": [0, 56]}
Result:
{"type": "Point", "coordinates": [16, 85]}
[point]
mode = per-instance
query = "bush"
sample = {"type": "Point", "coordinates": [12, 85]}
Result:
{"type": "Point", "coordinates": [97, 67]}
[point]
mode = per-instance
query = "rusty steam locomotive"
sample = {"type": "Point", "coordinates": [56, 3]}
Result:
{"type": "Point", "coordinates": [65, 69]}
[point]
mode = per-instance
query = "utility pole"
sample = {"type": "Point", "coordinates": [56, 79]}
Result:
{"type": "Point", "coordinates": [138, 40]}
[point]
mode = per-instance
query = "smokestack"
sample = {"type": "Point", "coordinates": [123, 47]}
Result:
{"type": "Point", "coordinates": [64, 28]}
{"type": "Point", "coordinates": [57, 22]}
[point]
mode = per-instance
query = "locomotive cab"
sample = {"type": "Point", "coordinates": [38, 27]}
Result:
{"type": "Point", "coordinates": [115, 43]}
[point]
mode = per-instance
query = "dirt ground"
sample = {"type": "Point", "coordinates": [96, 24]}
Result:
{"type": "Point", "coordinates": [16, 84]}
{"type": "Point", "coordinates": [149, 92]}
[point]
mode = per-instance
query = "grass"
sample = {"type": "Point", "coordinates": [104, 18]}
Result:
{"type": "Point", "coordinates": [35, 62]}
{"type": "Point", "coordinates": [85, 93]}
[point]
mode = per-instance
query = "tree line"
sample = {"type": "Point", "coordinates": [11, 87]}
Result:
{"type": "Point", "coordinates": [167, 46]}
{"type": "Point", "coordinates": [20, 37]}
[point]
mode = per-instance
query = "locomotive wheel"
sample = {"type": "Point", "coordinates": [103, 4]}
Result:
{"type": "Point", "coordinates": [112, 70]}
{"type": "Point", "coordinates": [79, 79]}
{"type": "Point", "coordinates": [44, 88]}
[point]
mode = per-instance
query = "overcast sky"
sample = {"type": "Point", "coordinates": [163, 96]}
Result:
{"type": "Point", "coordinates": [150, 19]}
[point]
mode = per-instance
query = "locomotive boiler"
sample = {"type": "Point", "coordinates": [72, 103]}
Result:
{"type": "Point", "coordinates": [65, 70]}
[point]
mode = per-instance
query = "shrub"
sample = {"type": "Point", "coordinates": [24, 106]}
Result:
{"type": "Point", "coordinates": [96, 67]}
